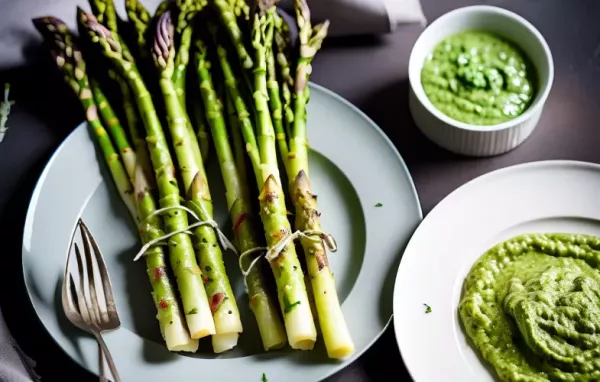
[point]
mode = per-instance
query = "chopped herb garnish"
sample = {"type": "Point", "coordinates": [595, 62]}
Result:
{"type": "Point", "coordinates": [193, 311]}
{"type": "Point", "coordinates": [264, 378]}
{"type": "Point", "coordinates": [379, 205]}
{"type": "Point", "coordinates": [427, 308]}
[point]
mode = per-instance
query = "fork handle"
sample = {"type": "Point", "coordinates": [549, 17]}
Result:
{"type": "Point", "coordinates": [109, 359]}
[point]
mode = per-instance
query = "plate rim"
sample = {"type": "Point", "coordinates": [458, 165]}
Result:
{"type": "Point", "coordinates": [460, 189]}
{"type": "Point", "coordinates": [414, 195]}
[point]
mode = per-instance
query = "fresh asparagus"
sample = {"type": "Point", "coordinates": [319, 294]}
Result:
{"type": "Point", "coordinates": [336, 335]}
{"type": "Point", "coordinates": [187, 11]}
{"type": "Point", "coordinates": [227, 14]}
{"type": "Point", "coordinates": [262, 305]}
{"type": "Point", "coordinates": [283, 45]}
{"type": "Point", "coordinates": [139, 16]}
{"type": "Point", "coordinates": [275, 103]}
{"type": "Point", "coordinates": [70, 61]}
{"type": "Point", "coordinates": [182, 259]}
{"type": "Point", "coordinates": [105, 12]}
{"type": "Point", "coordinates": [291, 290]}
{"type": "Point", "coordinates": [223, 305]}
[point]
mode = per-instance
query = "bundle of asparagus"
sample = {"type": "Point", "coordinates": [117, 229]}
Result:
{"type": "Point", "coordinates": [250, 96]}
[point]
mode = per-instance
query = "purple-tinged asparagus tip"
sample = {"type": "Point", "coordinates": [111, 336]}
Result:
{"type": "Point", "coordinates": [49, 25]}
{"type": "Point", "coordinates": [163, 42]}
{"type": "Point", "coordinates": [90, 21]}
{"type": "Point", "coordinates": [39, 23]}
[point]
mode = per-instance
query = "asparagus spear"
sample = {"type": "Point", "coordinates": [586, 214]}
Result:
{"type": "Point", "coordinates": [183, 262]}
{"type": "Point", "coordinates": [187, 10]}
{"type": "Point", "coordinates": [283, 45]}
{"type": "Point", "coordinates": [275, 102]}
{"type": "Point", "coordinates": [262, 305]}
{"type": "Point", "coordinates": [140, 18]}
{"type": "Point", "coordinates": [70, 61]}
{"type": "Point", "coordinates": [285, 266]}
{"type": "Point", "coordinates": [227, 14]}
{"type": "Point", "coordinates": [331, 319]}
{"type": "Point", "coordinates": [225, 311]}
{"type": "Point", "coordinates": [106, 14]}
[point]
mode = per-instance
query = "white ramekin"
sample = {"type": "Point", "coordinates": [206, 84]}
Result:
{"type": "Point", "coordinates": [464, 138]}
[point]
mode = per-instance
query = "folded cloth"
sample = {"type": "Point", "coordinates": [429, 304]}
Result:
{"type": "Point", "coordinates": [18, 37]}
{"type": "Point", "coordinates": [363, 17]}
{"type": "Point", "coordinates": [15, 366]}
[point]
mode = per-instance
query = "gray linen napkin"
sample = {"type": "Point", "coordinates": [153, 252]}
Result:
{"type": "Point", "coordinates": [15, 366]}
{"type": "Point", "coordinates": [18, 38]}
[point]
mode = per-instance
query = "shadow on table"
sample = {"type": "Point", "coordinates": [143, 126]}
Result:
{"type": "Point", "coordinates": [388, 107]}
{"type": "Point", "coordinates": [42, 104]}
{"type": "Point", "coordinates": [18, 312]}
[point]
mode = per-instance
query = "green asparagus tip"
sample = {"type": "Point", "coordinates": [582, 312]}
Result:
{"type": "Point", "coordinates": [319, 34]}
{"type": "Point", "coordinates": [302, 11]}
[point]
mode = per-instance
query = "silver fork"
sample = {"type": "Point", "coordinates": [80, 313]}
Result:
{"type": "Point", "coordinates": [89, 313]}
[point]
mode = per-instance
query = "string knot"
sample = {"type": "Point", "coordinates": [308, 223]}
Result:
{"type": "Point", "coordinates": [276, 250]}
{"type": "Point", "coordinates": [223, 240]}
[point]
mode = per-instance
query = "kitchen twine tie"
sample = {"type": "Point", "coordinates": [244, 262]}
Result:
{"type": "Point", "coordinates": [225, 243]}
{"type": "Point", "coordinates": [275, 251]}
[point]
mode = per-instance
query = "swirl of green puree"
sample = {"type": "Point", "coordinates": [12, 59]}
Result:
{"type": "Point", "coordinates": [531, 305]}
{"type": "Point", "coordinates": [479, 78]}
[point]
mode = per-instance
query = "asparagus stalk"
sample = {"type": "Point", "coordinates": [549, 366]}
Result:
{"type": "Point", "coordinates": [182, 259]}
{"type": "Point", "coordinates": [106, 14]}
{"type": "Point", "coordinates": [69, 59]}
{"type": "Point", "coordinates": [262, 305]}
{"type": "Point", "coordinates": [223, 305]}
{"type": "Point", "coordinates": [285, 266]}
{"type": "Point", "coordinates": [283, 45]}
{"type": "Point", "coordinates": [187, 10]}
{"type": "Point", "coordinates": [227, 14]}
{"type": "Point", "coordinates": [112, 123]}
{"type": "Point", "coordinates": [140, 18]}
{"type": "Point", "coordinates": [336, 335]}
{"type": "Point", "coordinates": [275, 103]}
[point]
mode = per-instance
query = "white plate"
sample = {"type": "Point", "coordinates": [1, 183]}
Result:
{"type": "Point", "coordinates": [353, 167]}
{"type": "Point", "coordinates": [550, 196]}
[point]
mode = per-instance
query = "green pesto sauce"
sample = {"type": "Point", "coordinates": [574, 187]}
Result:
{"type": "Point", "coordinates": [531, 305]}
{"type": "Point", "coordinates": [478, 78]}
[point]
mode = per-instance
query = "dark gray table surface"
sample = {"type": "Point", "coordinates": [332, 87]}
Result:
{"type": "Point", "coordinates": [371, 73]}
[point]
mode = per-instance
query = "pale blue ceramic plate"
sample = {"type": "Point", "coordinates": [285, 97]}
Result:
{"type": "Point", "coordinates": [353, 167]}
